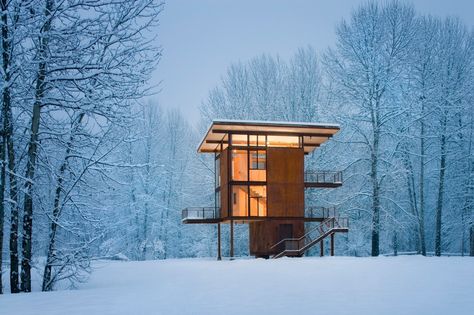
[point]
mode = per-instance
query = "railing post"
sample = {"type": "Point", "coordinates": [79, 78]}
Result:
{"type": "Point", "coordinates": [219, 256]}
{"type": "Point", "coordinates": [332, 244]}
{"type": "Point", "coordinates": [231, 239]}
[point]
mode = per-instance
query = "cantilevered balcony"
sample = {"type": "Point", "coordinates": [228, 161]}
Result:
{"type": "Point", "coordinates": [212, 215]}
{"type": "Point", "coordinates": [200, 215]}
{"type": "Point", "coordinates": [319, 214]}
{"type": "Point", "coordinates": [322, 179]}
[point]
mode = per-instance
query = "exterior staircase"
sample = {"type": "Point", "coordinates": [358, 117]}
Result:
{"type": "Point", "coordinates": [298, 246]}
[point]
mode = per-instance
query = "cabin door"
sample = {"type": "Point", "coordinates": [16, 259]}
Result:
{"type": "Point", "coordinates": [285, 231]}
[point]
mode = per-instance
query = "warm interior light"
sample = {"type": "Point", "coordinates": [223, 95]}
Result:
{"type": "Point", "coordinates": [239, 140]}
{"type": "Point", "coordinates": [239, 165]}
{"type": "Point", "coordinates": [258, 201]}
{"type": "Point", "coordinates": [239, 201]}
{"type": "Point", "coordinates": [283, 141]}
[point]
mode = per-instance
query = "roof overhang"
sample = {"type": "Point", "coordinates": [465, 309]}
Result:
{"type": "Point", "coordinates": [314, 134]}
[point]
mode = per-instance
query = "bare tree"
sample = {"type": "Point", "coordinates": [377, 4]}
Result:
{"type": "Point", "coordinates": [365, 67]}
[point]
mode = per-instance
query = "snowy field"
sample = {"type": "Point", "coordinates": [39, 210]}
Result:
{"type": "Point", "coordinates": [329, 285]}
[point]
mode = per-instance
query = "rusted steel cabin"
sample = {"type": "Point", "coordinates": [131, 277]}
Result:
{"type": "Point", "coordinates": [260, 179]}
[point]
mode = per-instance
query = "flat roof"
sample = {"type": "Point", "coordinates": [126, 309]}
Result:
{"type": "Point", "coordinates": [314, 134]}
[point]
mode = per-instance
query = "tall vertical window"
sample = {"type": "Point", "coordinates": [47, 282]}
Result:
{"type": "Point", "coordinates": [258, 200]}
{"type": "Point", "coordinates": [240, 165]}
{"type": "Point", "coordinates": [218, 171]}
{"type": "Point", "coordinates": [240, 195]}
{"type": "Point", "coordinates": [258, 165]}
{"type": "Point", "coordinates": [218, 199]}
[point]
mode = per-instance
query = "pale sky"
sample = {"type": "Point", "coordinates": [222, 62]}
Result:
{"type": "Point", "coordinates": [200, 39]}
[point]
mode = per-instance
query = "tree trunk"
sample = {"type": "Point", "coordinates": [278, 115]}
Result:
{"type": "Point", "coordinates": [395, 244]}
{"type": "Point", "coordinates": [410, 182]}
{"type": "Point", "coordinates": [2, 148]}
{"type": "Point", "coordinates": [14, 280]}
{"type": "Point", "coordinates": [7, 134]}
{"type": "Point", "coordinates": [2, 207]}
{"type": "Point", "coordinates": [421, 214]}
{"type": "Point", "coordinates": [375, 185]}
{"type": "Point", "coordinates": [32, 152]}
{"type": "Point", "coordinates": [439, 204]}
{"type": "Point", "coordinates": [471, 240]}
{"type": "Point", "coordinates": [48, 281]}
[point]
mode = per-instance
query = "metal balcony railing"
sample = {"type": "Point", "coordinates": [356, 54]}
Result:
{"type": "Point", "coordinates": [320, 212]}
{"type": "Point", "coordinates": [200, 213]}
{"type": "Point", "coordinates": [323, 178]}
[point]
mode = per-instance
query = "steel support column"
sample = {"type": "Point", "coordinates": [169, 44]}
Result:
{"type": "Point", "coordinates": [219, 256]}
{"type": "Point", "coordinates": [231, 239]}
{"type": "Point", "coordinates": [332, 244]}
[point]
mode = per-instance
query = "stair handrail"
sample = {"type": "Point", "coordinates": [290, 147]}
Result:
{"type": "Point", "coordinates": [341, 223]}
{"type": "Point", "coordinates": [304, 236]}
{"type": "Point", "coordinates": [325, 212]}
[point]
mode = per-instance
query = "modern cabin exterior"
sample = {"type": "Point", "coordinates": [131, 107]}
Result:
{"type": "Point", "coordinates": [260, 179]}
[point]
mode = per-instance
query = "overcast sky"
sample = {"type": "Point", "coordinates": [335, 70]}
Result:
{"type": "Point", "coordinates": [200, 39]}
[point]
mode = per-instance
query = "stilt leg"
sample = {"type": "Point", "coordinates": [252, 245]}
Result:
{"type": "Point", "coordinates": [231, 239]}
{"type": "Point", "coordinates": [322, 248]}
{"type": "Point", "coordinates": [219, 256]}
{"type": "Point", "coordinates": [332, 244]}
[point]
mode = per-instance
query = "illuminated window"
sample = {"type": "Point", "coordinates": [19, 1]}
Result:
{"type": "Point", "coordinates": [256, 140]}
{"type": "Point", "coordinates": [258, 165]}
{"type": "Point", "coordinates": [258, 201]}
{"type": "Point", "coordinates": [239, 140]}
{"type": "Point", "coordinates": [218, 199]}
{"type": "Point", "coordinates": [283, 141]}
{"type": "Point", "coordinates": [240, 200]}
{"type": "Point", "coordinates": [239, 165]}
{"type": "Point", "coordinates": [218, 171]}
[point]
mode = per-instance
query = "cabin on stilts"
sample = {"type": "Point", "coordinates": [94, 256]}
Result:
{"type": "Point", "coordinates": [260, 179]}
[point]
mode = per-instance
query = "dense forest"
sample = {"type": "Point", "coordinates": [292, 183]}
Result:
{"type": "Point", "coordinates": [93, 168]}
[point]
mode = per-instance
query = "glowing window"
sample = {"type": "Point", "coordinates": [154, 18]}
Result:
{"type": "Point", "coordinates": [283, 141]}
{"type": "Point", "coordinates": [240, 200]}
{"type": "Point", "coordinates": [239, 140]}
{"type": "Point", "coordinates": [258, 165]}
{"type": "Point", "coordinates": [256, 140]}
{"type": "Point", "coordinates": [239, 165]}
{"type": "Point", "coordinates": [258, 201]}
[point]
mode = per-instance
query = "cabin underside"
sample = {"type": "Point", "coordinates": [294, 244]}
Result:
{"type": "Point", "coordinates": [277, 237]}
{"type": "Point", "coordinates": [264, 235]}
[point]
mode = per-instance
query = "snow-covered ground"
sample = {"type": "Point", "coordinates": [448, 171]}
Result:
{"type": "Point", "coordinates": [329, 285]}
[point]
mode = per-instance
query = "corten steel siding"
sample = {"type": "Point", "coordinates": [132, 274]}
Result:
{"type": "Point", "coordinates": [224, 183]}
{"type": "Point", "coordinates": [264, 234]}
{"type": "Point", "coordinates": [285, 182]}
{"type": "Point", "coordinates": [285, 197]}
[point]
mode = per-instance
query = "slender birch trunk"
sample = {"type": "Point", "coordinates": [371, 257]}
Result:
{"type": "Point", "coordinates": [32, 152]}
{"type": "Point", "coordinates": [2, 207]}
{"type": "Point", "coordinates": [8, 134]}
{"type": "Point", "coordinates": [2, 149]}
{"type": "Point", "coordinates": [57, 207]}
{"type": "Point", "coordinates": [439, 204]}
{"type": "Point", "coordinates": [421, 215]}
{"type": "Point", "coordinates": [374, 178]}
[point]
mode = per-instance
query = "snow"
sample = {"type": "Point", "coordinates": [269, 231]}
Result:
{"type": "Point", "coordinates": [329, 285]}
{"type": "Point", "coordinates": [277, 122]}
